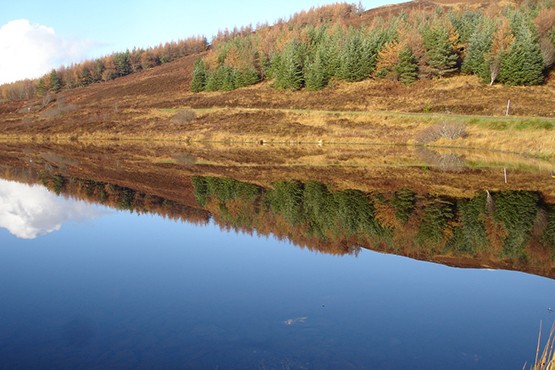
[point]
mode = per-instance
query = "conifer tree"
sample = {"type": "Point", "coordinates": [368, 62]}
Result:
{"type": "Point", "coordinates": [330, 55]}
{"type": "Point", "coordinates": [441, 59]}
{"type": "Point", "coordinates": [522, 64]}
{"type": "Point", "coordinates": [85, 77]}
{"type": "Point", "coordinates": [198, 82]}
{"type": "Point", "coordinates": [407, 70]}
{"type": "Point", "coordinates": [55, 84]}
{"type": "Point", "coordinates": [41, 87]}
{"type": "Point", "coordinates": [98, 71]}
{"type": "Point", "coordinates": [476, 60]}
{"type": "Point", "coordinates": [122, 63]}
{"type": "Point", "coordinates": [223, 78]}
{"type": "Point", "coordinates": [315, 73]}
{"type": "Point", "coordinates": [354, 64]}
{"type": "Point", "coordinates": [246, 77]}
{"type": "Point", "coordinates": [289, 71]}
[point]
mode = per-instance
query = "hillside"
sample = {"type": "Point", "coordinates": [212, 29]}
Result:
{"type": "Point", "coordinates": [144, 105]}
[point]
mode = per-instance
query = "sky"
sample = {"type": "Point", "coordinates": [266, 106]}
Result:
{"type": "Point", "coordinates": [39, 35]}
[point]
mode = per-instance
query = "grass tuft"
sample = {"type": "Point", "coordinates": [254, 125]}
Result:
{"type": "Point", "coordinates": [546, 359]}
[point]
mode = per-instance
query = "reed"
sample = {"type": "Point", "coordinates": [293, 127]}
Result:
{"type": "Point", "coordinates": [546, 359]}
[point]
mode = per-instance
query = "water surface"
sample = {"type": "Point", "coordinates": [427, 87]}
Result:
{"type": "Point", "coordinates": [136, 280]}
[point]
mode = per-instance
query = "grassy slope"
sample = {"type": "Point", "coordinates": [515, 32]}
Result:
{"type": "Point", "coordinates": [140, 106]}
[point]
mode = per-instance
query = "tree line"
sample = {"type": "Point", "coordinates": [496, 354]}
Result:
{"type": "Point", "coordinates": [513, 46]}
{"type": "Point", "coordinates": [102, 69]}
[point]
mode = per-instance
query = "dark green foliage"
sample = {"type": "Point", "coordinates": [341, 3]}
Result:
{"type": "Point", "coordinates": [441, 59]}
{"type": "Point", "coordinates": [434, 222]}
{"type": "Point", "coordinates": [315, 73]}
{"type": "Point", "coordinates": [407, 70]}
{"type": "Point", "coordinates": [323, 214]}
{"type": "Point", "coordinates": [58, 183]}
{"type": "Point", "coordinates": [358, 58]}
{"type": "Point", "coordinates": [85, 78]}
{"type": "Point", "coordinates": [548, 236]}
{"type": "Point", "coordinates": [55, 84]}
{"type": "Point", "coordinates": [201, 190]}
{"type": "Point", "coordinates": [288, 71]}
{"type": "Point", "coordinates": [126, 198]}
{"type": "Point", "coordinates": [122, 63]}
{"type": "Point", "coordinates": [516, 211]}
{"type": "Point", "coordinates": [477, 60]}
{"type": "Point", "coordinates": [225, 189]}
{"type": "Point", "coordinates": [320, 209]}
{"type": "Point", "coordinates": [471, 236]}
{"type": "Point", "coordinates": [522, 64]}
{"type": "Point", "coordinates": [404, 203]}
{"type": "Point", "coordinates": [246, 77]}
{"type": "Point", "coordinates": [198, 83]}
{"type": "Point", "coordinates": [466, 23]}
{"type": "Point", "coordinates": [286, 199]}
{"type": "Point", "coordinates": [223, 78]}
{"type": "Point", "coordinates": [331, 56]}
{"type": "Point", "coordinates": [355, 212]}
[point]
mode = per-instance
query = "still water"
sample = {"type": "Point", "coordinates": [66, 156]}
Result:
{"type": "Point", "coordinates": [87, 286]}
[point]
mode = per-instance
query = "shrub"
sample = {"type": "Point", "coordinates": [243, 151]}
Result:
{"type": "Point", "coordinates": [184, 116]}
{"type": "Point", "coordinates": [447, 130]}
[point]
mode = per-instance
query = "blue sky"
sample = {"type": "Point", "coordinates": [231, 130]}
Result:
{"type": "Point", "coordinates": [60, 32]}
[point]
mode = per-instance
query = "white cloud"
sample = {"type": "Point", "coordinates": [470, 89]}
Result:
{"type": "Point", "coordinates": [28, 211]}
{"type": "Point", "coordinates": [29, 50]}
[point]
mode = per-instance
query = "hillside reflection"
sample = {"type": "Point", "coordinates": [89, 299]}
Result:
{"type": "Point", "coordinates": [504, 229]}
{"type": "Point", "coordinates": [425, 212]}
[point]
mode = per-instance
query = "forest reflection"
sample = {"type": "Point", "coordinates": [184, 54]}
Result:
{"type": "Point", "coordinates": [509, 229]}
{"type": "Point", "coordinates": [512, 227]}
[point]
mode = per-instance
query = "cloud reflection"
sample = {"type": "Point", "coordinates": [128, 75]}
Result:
{"type": "Point", "coordinates": [28, 211]}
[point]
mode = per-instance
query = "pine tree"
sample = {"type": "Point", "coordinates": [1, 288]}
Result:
{"type": "Point", "coordinates": [476, 60]}
{"type": "Point", "coordinates": [98, 71]}
{"type": "Point", "coordinates": [289, 71]}
{"type": "Point", "coordinates": [522, 64]}
{"type": "Point", "coordinates": [331, 56]}
{"type": "Point", "coordinates": [407, 68]}
{"type": "Point", "coordinates": [55, 84]}
{"type": "Point", "coordinates": [246, 77]}
{"type": "Point", "coordinates": [41, 87]}
{"type": "Point", "coordinates": [85, 77]}
{"type": "Point", "coordinates": [222, 78]}
{"type": "Point", "coordinates": [315, 73]}
{"type": "Point", "coordinates": [441, 59]}
{"type": "Point", "coordinates": [354, 62]}
{"type": "Point", "coordinates": [122, 63]}
{"type": "Point", "coordinates": [198, 82]}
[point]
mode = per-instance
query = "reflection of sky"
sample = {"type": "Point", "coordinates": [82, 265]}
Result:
{"type": "Point", "coordinates": [28, 211]}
